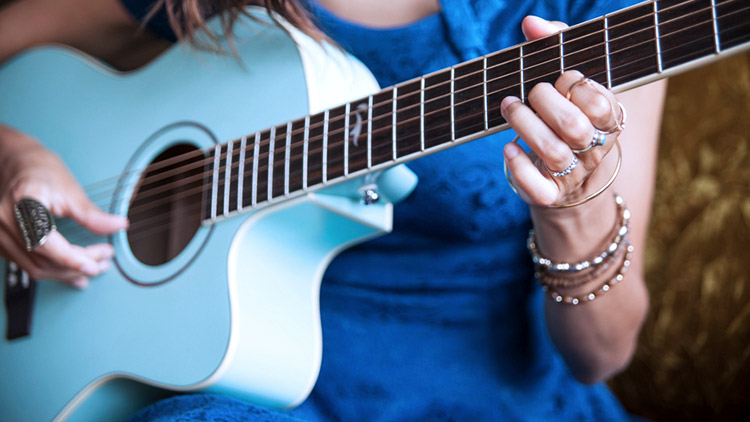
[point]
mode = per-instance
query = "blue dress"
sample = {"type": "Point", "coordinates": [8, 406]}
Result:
{"type": "Point", "coordinates": [440, 320]}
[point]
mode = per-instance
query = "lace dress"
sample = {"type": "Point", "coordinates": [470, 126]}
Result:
{"type": "Point", "coordinates": [440, 320]}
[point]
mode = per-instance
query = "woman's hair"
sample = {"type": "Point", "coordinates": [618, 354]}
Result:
{"type": "Point", "coordinates": [188, 17]}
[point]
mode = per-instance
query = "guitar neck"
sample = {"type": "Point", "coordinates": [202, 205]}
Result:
{"type": "Point", "coordinates": [622, 50]}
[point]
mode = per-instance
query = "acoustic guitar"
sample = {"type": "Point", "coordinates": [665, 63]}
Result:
{"type": "Point", "coordinates": [242, 177]}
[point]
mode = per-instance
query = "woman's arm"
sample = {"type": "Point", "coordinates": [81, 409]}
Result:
{"type": "Point", "coordinates": [596, 338]}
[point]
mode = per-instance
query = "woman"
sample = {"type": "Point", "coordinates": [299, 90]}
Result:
{"type": "Point", "coordinates": [449, 324]}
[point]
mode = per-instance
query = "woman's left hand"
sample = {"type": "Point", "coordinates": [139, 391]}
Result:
{"type": "Point", "coordinates": [565, 117]}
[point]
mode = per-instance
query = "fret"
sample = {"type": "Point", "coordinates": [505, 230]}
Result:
{"type": "Point", "coordinates": [262, 176]}
{"type": "Point", "coordinates": [358, 152]}
{"type": "Point", "coordinates": [562, 54]}
{"type": "Point", "coordinates": [215, 182]}
{"type": "Point", "coordinates": [346, 138]}
{"type": "Point", "coordinates": [686, 31]}
{"type": "Point", "coordinates": [656, 36]}
{"type": "Point", "coordinates": [336, 148]}
{"type": "Point", "coordinates": [287, 157]}
{"type": "Point", "coordinates": [541, 62]}
{"type": "Point", "coordinates": [503, 79]}
{"type": "Point", "coordinates": [453, 104]}
{"type": "Point", "coordinates": [523, 77]}
{"type": "Point", "coordinates": [409, 118]}
{"type": "Point", "coordinates": [369, 132]}
{"type": "Point", "coordinates": [254, 186]}
{"type": "Point", "coordinates": [714, 21]}
{"type": "Point", "coordinates": [484, 93]}
{"type": "Point", "coordinates": [241, 174]}
{"type": "Point", "coordinates": [393, 122]}
{"type": "Point", "coordinates": [469, 106]}
{"type": "Point", "coordinates": [733, 21]}
{"type": "Point", "coordinates": [227, 177]}
{"type": "Point", "coordinates": [585, 50]}
{"type": "Point", "coordinates": [271, 154]}
{"type": "Point", "coordinates": [316, 148]}
{"type": "Point", "coordinates": [606, 47]}
{"type": "Point", "coordinates": [632, 45]}
{"type": "Point", "coordinates": [325, 148]}
{"type": "Point", "coordinates": [305, 152]}
{"type": "Point", "coordinates": [421, 113]}
{"type": "Point", "coordinates": [437, 110]}
{"type": "Point", "coordinates": [381, 121]}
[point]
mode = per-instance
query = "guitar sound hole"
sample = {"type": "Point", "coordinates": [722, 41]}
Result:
{"type": "Point", "coordinates": [165, 211]}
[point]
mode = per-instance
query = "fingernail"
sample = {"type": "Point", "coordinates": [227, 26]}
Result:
{"type": "Point", "coordinates": [109, 253]}
{"type": "Point", "coordinates": [507, 101]}
{"type": "Point", "coordinates": [511, 150]}
{"type": "Point", "coordinates": [90, 268]}
{"type": "Point", "coordinates": [104, 266]}
{"type": "Point", "coordinates": [80, 283]}
{"type": "Point", "coordinates": [549, 26]}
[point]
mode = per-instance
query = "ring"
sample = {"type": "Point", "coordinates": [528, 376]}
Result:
{"type": "Point", "coordinates": [584, 200]}
{"type": "Point", "coordinates": [563, 173]}
{"type": "Point", "coordinates": [619, 126]}
{"type": "Point", "coordinates": [599, 139]}
{"type": "Point", "coordinates": [35, 222]}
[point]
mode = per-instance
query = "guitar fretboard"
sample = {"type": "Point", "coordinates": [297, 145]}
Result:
{"type": "Point", "coordinates": [621, 50]}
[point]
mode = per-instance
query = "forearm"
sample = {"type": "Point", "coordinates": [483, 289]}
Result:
{"type": "Point", "coordinates": [597, 338]}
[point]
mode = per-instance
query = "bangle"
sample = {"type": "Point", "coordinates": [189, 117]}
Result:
{"type": "Point", "coordinates": [606, 185]}
{"type": "Point", "coordinates": [604, 288]}
{"type": "Point", "coordinates": [547, 264]}
{"type": "Point", "coordinates": [546, 279]}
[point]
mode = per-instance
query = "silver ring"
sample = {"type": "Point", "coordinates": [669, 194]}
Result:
{"type": "Point", "coordinates": [565, 172]}
{"type": "Point", "coordinates": [35, 222]}
{"type": "Point", "coordinates": [599, 139]}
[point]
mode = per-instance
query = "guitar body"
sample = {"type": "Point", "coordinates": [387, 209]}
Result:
{"type": "Point", "coordinates": [237, 310]}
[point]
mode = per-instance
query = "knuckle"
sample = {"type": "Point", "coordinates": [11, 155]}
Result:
{"type": "Point", "coordinates": [577, 126]}
{"type": "Point", "coordinates": [600, 109]}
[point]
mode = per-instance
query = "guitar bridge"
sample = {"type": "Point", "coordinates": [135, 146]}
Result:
{"type": "Point", "coordinates": [19, 301]}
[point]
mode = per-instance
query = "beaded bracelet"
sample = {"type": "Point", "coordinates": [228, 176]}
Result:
{"type": "Point", "coordinates": [548, 265]}
{"type": "Point", "coordinates": [548, 279]}
{"type": "Point", "coordinates": [604, 288]}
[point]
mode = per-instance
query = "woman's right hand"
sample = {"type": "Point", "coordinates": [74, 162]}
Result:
{"type": "Point", "coordinates": [29, 170]}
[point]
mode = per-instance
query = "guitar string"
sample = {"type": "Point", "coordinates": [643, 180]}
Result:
{"type": "Point", "coordinates": [151, 179]}
{"type": "Point", "coordinates": [156, 166]}
{"type": "Point", "coordinates": [234, 178]}
{"type": "Point", "coordinates": [146, 226]}
{"type": "Point", "coordinates": [221, 182]}
{"type": "Point", "coordinates": [279, 163]}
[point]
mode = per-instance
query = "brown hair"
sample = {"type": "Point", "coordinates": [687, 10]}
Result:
{"type": "Point", "coordinates": [188, 17]}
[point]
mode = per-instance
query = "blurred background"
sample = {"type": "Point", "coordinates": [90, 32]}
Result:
{"type": "Point", "coordinates": [693, 358]}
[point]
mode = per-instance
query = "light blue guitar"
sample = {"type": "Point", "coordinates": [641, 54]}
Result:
{"type": "Point", "coordinates": [233, 221]}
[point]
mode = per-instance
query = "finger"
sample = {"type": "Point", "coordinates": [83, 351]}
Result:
{"type": "Point", "coordinates": [562, 116]}
{"type": "Point", "coordinates": [534, 27]}
{"type": "Point", "coordinates": [67, 257]}
{"type": "Point", "coordinates": [555, 153]}
{"type": "Point", "coordinates": [596, 102]}
{"type": "Point", "coordinates": [536, 188]}
{"type": "Point", "coordinates": [90, 217]}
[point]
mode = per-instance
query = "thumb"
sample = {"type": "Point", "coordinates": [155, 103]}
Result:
{"type": "Point", "coordinates": [89, 216]}
{"type": "Point", "coordinates": [534, 27]}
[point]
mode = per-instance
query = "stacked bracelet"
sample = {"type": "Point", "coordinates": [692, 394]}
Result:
{"type": "Point", "coordinates": [549, 265]}
{"type": "Point", "coordinates": [604, 288]}
{"type": "Point", "coordinates": [549, 273]}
